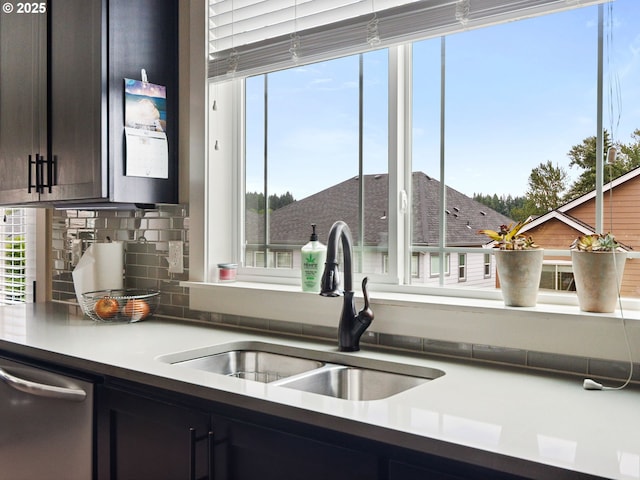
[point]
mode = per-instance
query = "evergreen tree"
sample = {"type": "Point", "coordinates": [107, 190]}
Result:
{"type": "Point", "coordinates": [546, 186]}
{"type": "Point", "coordinates": [254, 201]}
{"type": "Point", "coordinates": [583, 156]}
{"type": "Point", "coordinates": [507, 205]}
{"type": "Point", "coordinates": [629, 154]}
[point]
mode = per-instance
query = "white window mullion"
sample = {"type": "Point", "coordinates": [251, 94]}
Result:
{"type": "Point", "coordinates": [400, 120]}
{"type": "Point", "coordinates": [405, 164]}
{"type": "Point", "coordinates": [442, 234]}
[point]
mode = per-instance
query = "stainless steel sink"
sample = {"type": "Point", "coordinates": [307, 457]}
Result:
{"type": "Point", "coordinates": [253, 365]}
{"type": "Point", "coordinates": [330, 373]}
{"type": "Point", "coordinates": [353, 383]}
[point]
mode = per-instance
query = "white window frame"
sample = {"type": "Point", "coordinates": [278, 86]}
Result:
{"type": "Point", "coordinates": [416, 264]}
{"type": "Point", "coordinates": [283, 258]}
{"type": "Point", "coordinates": [430, 312]}
{"type": "Point", "coordinates": [416, 260]}
{"type": "Point", "coordinates": [558, 266]}
{"type": "Point", "coordinates": [462, 267]}
{"type": "Point", "coordinates": [488, 265]}
{"type": "Point", "coordinates": [434, 259]}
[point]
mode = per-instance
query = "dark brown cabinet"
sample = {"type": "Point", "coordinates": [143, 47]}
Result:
{"type": "Point", "coordinates": [62, 95]}
{"type": "Point", "coordinates": [405, 471]}
{"type": "Point", "coordinates": [141, 437]}
{"type": "Point", "coordinates": [441, 469]}
{"type": "Point", "coordinates": [246, 451]}
{"type": "Point", "coordinates": [161, 437]}
{"type": "Point", "coordinates": [23, 105]}
{"type": "Point", "coordinates": [150, 433]}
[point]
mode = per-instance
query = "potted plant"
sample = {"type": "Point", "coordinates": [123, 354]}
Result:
{"type": "Point", "coordinates": [598, 266]}
{"type": "Point", "coordinates": [519, 264]}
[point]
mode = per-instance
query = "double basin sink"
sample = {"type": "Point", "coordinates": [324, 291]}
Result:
{"type": "Point", "coordinates": [325, 373]}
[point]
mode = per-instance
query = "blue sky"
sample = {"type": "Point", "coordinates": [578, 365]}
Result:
{"type": "Point", "coordinates": [517, 95]}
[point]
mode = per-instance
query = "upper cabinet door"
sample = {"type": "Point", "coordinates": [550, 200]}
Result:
{"type": "Point", "coordinates": [62, 77]}
{"type": "Point", "coordinates": [77, 96]}
{"type": "Point", "coordinates": [22, 104]}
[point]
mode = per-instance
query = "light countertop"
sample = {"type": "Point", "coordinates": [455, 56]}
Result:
{"type": "Point", "coordinates": [521, 422]}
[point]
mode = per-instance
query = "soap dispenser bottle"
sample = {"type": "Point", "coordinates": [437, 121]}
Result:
{"type": "Point", "coordinates": [313, 255]}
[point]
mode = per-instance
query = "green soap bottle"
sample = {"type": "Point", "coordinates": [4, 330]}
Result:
{"type": "Point", "coordinates": [313, 255]}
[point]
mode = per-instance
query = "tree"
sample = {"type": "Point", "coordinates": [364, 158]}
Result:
{"type": "Point", "coordinates": [584, 157]}
{"type": "Point", "coordinates": [546, 186]}
{"type": "Point", "coordinates": [279, 201]}
{"type": "Point", "coordinates": [255, 201]}
{"type": "Point", "coordinates": [506, 205]}
{"type": "Point", "coordinates": [547, 183]}
{"type": "Point", "coordinates": [629, 154]}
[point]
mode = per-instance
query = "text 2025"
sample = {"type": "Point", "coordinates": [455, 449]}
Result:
{"type": "Point", "coordinates": [33, 7]}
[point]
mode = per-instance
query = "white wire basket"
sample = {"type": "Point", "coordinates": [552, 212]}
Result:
{"type": "Point", "coordinates": [120, 306]}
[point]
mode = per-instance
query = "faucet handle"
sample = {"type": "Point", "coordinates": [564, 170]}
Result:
{"type": "Point", "coordinates": [366, 314]}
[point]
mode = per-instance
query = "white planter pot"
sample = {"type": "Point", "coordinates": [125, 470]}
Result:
{"type": "Point", "coordinates": [519, 273]}
{"type": "Point", "coordinates": [598, 276]}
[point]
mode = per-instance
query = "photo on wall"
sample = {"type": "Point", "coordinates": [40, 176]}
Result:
{"type": "Point", "coordinates": [147, 153]}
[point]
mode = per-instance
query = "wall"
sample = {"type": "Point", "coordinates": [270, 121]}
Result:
{"type": "Point", "coordinates": [146, 234]}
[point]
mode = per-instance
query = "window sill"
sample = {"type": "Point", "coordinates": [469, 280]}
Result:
{"type": "Point", "coordinates": [548, 327]}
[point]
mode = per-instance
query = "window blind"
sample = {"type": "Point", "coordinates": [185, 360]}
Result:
{"type": "Point", "coordinates": [248, 37]}
{"type": "Point", "coordinates": [16, 280]}
{"type": "Point", "coordinates": [241, 22]}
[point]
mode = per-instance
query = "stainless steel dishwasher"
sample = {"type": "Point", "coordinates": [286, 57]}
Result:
{"type": "Point", "coordinates": [46, 424]}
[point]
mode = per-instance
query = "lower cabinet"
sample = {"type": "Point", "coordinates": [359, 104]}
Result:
{"type": "Point", "coordinates": [142, 438]}
{"type": "Point", "coordinates": [147, 433]}
{"type": "Point", "coordinates": [405, 471]}
{"type": "Point", "coordinates": [440, 469]}
{"type": "Point", "coordinates": [246, 451]}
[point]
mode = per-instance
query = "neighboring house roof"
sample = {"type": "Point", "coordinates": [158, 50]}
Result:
{"type": "Point", "coordinates": [464, 215]}
{"type": "Point", "coordinates": [291, 223]}
{"type": "Point", "coordinates": [565, 218]}
{"type": "Point", "coordinates": [630, 175]}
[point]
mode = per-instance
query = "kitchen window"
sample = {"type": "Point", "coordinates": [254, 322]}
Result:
{"type": "Point", "coordinates": [441, 122]}
{"type": "Point", "coordinates": [313, 156]}
{"type": "Point", "coordinates": [17, 259]}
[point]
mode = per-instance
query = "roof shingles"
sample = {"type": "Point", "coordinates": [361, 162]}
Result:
{"type": "Point", "coordinates": [290, 225]}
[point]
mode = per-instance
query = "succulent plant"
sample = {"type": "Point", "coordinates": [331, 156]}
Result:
{"type": "Point", "coordinates": [509, 238]}
{"type": "Point", "coordinates": [595, 242]}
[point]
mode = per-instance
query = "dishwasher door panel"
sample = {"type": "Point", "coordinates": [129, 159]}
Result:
{"type": "Point", "coordinates": [46, 424]}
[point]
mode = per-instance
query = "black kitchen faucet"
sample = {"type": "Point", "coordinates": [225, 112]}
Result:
{"type": "Point", "coordinates": [352, 325]}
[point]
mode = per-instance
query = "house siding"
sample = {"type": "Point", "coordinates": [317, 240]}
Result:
{"type": "Point", "coordinates": [624, 224]}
